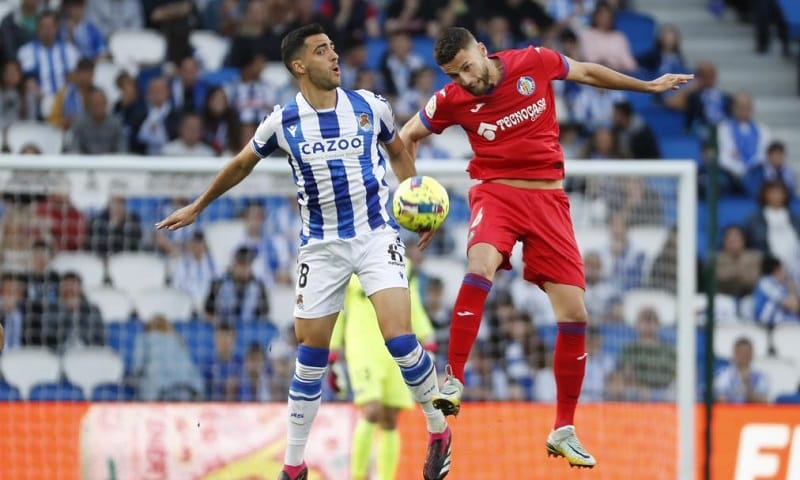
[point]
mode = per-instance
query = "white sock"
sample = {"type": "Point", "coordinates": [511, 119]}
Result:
{"type": "Point", "coordinates": [305, 396]}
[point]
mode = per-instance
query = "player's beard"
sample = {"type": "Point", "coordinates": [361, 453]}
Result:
{"type": "Point", "coordinates": [324, 79]}
{"type": "Point", "coordinates": [482, 85]}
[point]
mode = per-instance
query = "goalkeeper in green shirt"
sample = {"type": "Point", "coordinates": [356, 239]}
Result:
{"type": "Point", "coordinates": [377, 385]}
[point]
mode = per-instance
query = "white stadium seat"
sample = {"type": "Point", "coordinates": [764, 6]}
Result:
{"type": "Point", "coordinates": [592, 239]}
{"type": "Point", "coordinates": [454, 141]}
{"type": "Point", "coordinates": [88, 265]}
{"type": "Point", "coordinates": [210, 48]}
{"type": "Point", "coordinates": [281, 305]}
{"type": "Point", "coordinates": [105, 78]}
{"type": "Point", "coordinates": [648, 240]}
{"type": "Point", "coordinates": [222, 238]}
{"type": "Point", "coordinates": [276, 75]}
{"type": "Point", "coordinates": [782, 375]}
{"type": "Point", "coordinates": [47, 138]}
{"type": "Point", "coordinates": [450, 271]}
{"type": "Point", "coordinates": [174, 304]}
{"type": "Point", "coordinates": [136, 271]}
{"type": "Point", "coordinates": [786, 338]}
{"type": "Point", "coordinates": [140, 47]}
{"type": "Point", "coordinates": [115, 305]}
{"type": "Point", "coordinates": [89, 367]}
{"type": "Point", "coordinates": [724, 308]}
{"type": "Point", "coordinates": [662, 301]}
{"type": "Point", "coordinates": [25, 367]}
{"type": "Point", "coordinates": [725, 337]}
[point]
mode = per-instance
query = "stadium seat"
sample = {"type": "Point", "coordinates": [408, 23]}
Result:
{"type": "Point", "coordinates": [57, 392]}
{"type": "Point", "coordinates": [174, 304]}
{"type": "Point", "coordinates": [788, 398]}
{"type": "Point", "coordinates": [199, 337]}
{"type": "Point", "coordinates": [782, 374]}
{"type": "Point", "coordinates": [791, 12]}
{"type": "Point", "coordinates": [138, 47]}
{"type": "Point", "coordinates": [639, 29]}
{"type": "Point", "coordinates": [248, 333]}
{"type": "Point", "coordinates": [91, 366]}
{"type": "Point", "coordinates": [210, 48]}
{"type": "Point", "coordinates": [786, 338]}
{"type": "Point", "coordinates": [113, 392]}
{"type": "Point", "coordinates": [222, 238]}
{"type": "Point", "coordinates": [662, 301]}
{"type": "Point", "coordinates": [454, 141]}
{"type": "Point", "coordinates": [9, 393]}
{"type": "Point", "coordinates": [592, 239]}
{"type": "Point", "coordinates": [46, 105]}
{"type": "Point", "coordinates": [376, 48]}
{"type": "Point", "coordinates": [132, 272]}
{"type": "Point", "coordinates": [276, 75]}
{"type": "Point", "coordinates": [664, 122]}
{"type": "Point", "coordinates": [105, 78]}
{"type": "Point", "coordinates": [725, 337]}
{"type": "Point", "coordinates": [747, 308]}
{"type": "Point", "coordinates": [460, 234]}
{"type": "Point", "coordinates": [47, 138]}
{"type": "Point", "coordinates": [88, 265]}
{"type": "Point", "coordinates": [281, 305]}
{"type": "Point", "coordinates": [422, 45]}
{"type": "Point", "coordinates": [649, 239]}
{"type": "Point", "coordinates": [681, 147]}
{"type": "Point", "coordinates": [615, 337]}
{"type": "Point", "coordinates": [450, 270]}
{"type": "Point", "coordinates": [115, 305]}
{"type": "Point", "coordinates": [724, 308]}
{"type": "Point", "coordinates": [25, 367]}
{"type": "Point", "coordinates": [122, 337]}
{"type": "Point", "coordinates": [5, 8]}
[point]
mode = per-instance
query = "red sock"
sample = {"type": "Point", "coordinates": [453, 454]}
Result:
{"type": "Point", "coordinates": [569, 366]}
{"type": "Point", "coordinates": [466, 320]}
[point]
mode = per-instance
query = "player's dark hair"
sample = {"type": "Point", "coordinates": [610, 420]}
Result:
{"type": "Point", "coordinates": [450, 42]}
{"type": "Point", "coordinates": [294, 42]}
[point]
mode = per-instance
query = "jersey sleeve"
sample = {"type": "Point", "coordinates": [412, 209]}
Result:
{"type": "Point", "coordinates": [387, 128]}
{"type": "Point", "coordinates": [265, 140]}
{"type": "Point", "coordinates": [436, 115]}
{"type": "Point", "coordinates": [556, 66]}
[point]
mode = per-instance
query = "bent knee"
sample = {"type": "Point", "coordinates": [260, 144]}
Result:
{"type": "Point", "coordinates": [576, 314]}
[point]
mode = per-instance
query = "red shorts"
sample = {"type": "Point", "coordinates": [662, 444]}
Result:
{"type": "Point", "coordinates": [540, 219]}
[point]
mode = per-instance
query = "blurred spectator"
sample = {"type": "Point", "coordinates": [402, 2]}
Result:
{"type": "Point", "coordinates": [69, 322]}
{"type": "Point", "coordinates": [223, 16]}
{"type": "Point", "coordinates": [250, 37]}
{"type": "Point", "coordinates": [220, 123]}
{"type": "Point", "coordinates": [484, 379]}
{"type": "Point", "coordinates": [738, 382]}
{"type": "Point", "coordinates": [46, 58]}
{"type": "Point", "coordinates": [775, 298]}
{"type": "Point", "coordinates": [95, 132]}
{"type": "Point", "coordinates": [355, 20]}
{"type": "Point", "coordinates": [773, 168]}
{"type": "Point", "coordinates": [222, 374]}
{"type": "Point", "coordinates": [742, 142]}
{"type": "Point", "coordinates": [279, 19]}
{"type": "Point", "coordinates": [598, 365]}
{"type": "Point", "coordinates": [77, 29]}
{"type": "Point", "coordinates": [438, 311]}
{"type": "Point", "coordinates": [30, 149]}
{"type": "Point", "coordinates": [415, 17]}
{"type": "Point", "coordinates": [633, 199]}
{"type": "Point", "coordinates": [572, 143]}
{"type": "Point", "coordinates": [605, 45]}
{"type": "Point", "coordinates": [162, 366]}
{"type": "Point", "coordinates": [350, 62]}
{"type": "Point", "coordinates": [634, 137]}
{"type": "Point", "coordinates": [112, 15]}
{"type": "Point", "coordinates": [172, 242]}
{"type": "Point", "coordinates": [602, 146]}
{"type": "Point", "coordinates": [59, 221]}
{"type": "Point", "coordinates": [251, 96]}
{"type": "Point", "coordinates": [738, 268]}
{"type": "Point", "coordinates": [766, 13]}
{"type": "Point", "coordinates": [664, 272]}
{"type": "Point", "coordinates": [156, 124]}
{"type": "Point", "coordinates": [368, 80]}
{"type": "Point", "coordinates": [273, 253]}
{"type": "Point", "coordinates": [188, 92]}
{"type": "Point", "coordinates": [305, 12]}
{"type": "Point", "coordinates": [238, 295]}
{"type": "Point", "coordinates": [410, 102]}
{"type": "Point", "coordinates": [16, 103]}
{"type": "Point", "coordinates": [427, 149]}
{"type": "Point", "coordinates": [254, 380]}
{"type": "Point", "coordinates": [774, 229]}
{"type": "Point", "coordinates": [648, 364]}
{"type": "Point", "coordinates": [130, 107]}
{"type": "Point", "coordinates": [19, 27]}
{"type": "Point", "coordinates": [571, 14]}
{"type": "Point", "coordinates": [600, 292]}
{"type": "Point", "coordinates": [193, 270]}
{"type": "Point", "coordinates": [115, 229]}
{"type": "Point", "coordinates": [399, 63]}
{"type": "Point", "coordinates": [12, 310]}
{"type": "Point", "coordinates": [496, 34]}
{"type": "Point", "coordinates": [627, 262]}
{"type": "Point", "coordinates": [70, 100]}
{"type": "Point", "coordinates": [16, 232]}
{"type": "Point", "coordinates": [174, 19]}
{"type": "Point", "coordinates": [666, 56]}
{"type": "Point", "coordinates": [189, 143]}
{"type": "Point", "coordinates": [523, 352]}
{"type": "Point", "coordinates": [705, 104]}
{"type": "Point", "coordinates": [592, 107]}
{"type": "Point", "coordinates": [41, 282]}
{"type": "Point", "coordinates": [529, 20]}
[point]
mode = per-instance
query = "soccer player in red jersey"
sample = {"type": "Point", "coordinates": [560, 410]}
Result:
{"type": "Point", "coordinates": [505, 103]}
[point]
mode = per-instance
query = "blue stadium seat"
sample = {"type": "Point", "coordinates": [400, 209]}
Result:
{"type": "Point", "coordinates": [640, 30]}
{"type": "Point", "coordinates": [199, 337]}
{"type": "Point", "coordinates": [376, 47]}
{"type": "Point", "coordinates": [791, 12]}
{"type": "Point", "coordinates": [122, 337]}
{"type": "Point", "coordinates": [615, 337]}
{"type": "Point", "coordinates": [57, 392]}
{"type": "Point", "coordinates": [680, 147]}
{"type": "Point", "coordinates": [9, 393]}
{"type": "Point", "coordinates": [423, 46]}
{"type": "Point", "coordinates": [112, 392]}
{"type": "Point", "coordinates": [254, 332]}
{"type": "Point", "coordinates": [220, 77]}
{"type": "Point", "coordinates": [548, 335]}
{"type": "Point", "coordinates": [664, 122]}
{"type": "Point", "coordinates": [788, 399]}
{"type": "Point", "coordinates": [639, 101]}
{"type": "Point", "coordinates": [734, 211]}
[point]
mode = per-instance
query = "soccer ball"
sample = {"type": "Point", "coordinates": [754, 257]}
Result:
{"type": "Point", "coordinates": [420, 204]}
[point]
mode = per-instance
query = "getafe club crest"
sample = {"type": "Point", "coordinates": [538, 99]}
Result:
{"type": "Point", "coordinates": [364, 123]}
{"type": "Point", "coordinates": [525, 86]}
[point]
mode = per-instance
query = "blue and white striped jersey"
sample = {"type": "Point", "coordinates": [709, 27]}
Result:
{"type": "Point", "coordinates": [337, 166]}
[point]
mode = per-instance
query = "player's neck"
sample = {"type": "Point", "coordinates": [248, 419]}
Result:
{"type": "Point", "coordinates": [319, 99]}
{"type": "Point", "coordinates": [495, 73]}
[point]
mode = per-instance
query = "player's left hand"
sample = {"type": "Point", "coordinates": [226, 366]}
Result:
{"type": "Point", "coordinates": [425, 238]}
{"type": "Point", "coordinates": [670, 81]}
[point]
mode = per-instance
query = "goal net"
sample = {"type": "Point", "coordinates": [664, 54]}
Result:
{"type": "Point", "coordinates": [133, 353]}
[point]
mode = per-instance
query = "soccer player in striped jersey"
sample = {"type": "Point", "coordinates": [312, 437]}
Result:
{"type": "Point", "coordinates": [331, 136]}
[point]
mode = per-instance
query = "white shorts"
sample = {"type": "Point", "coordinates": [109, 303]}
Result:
{"type": "Point", "coordinates": [324, 270]}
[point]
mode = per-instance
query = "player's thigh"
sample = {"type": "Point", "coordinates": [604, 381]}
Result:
{"type": "Point", "coordinates": [494, 222]}
{"type": "Point", "coordinates": [366, 380]}
{"type": "Point", "coordinates": [396, 394]}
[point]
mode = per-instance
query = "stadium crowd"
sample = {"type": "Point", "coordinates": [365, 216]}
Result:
{"type": "Point", "coordinates": [232, 346]}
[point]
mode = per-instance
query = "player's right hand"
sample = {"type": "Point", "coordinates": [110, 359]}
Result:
{"type": "Point", "coordinates": [179, 218]}
{"type": "Point", "coordinates": [337, 376]}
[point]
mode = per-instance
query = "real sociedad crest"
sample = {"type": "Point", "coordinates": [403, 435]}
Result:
{"type": "Point", "coordinates": [525, 85]}
{"type": "Point", "coordinates": [364, 123]}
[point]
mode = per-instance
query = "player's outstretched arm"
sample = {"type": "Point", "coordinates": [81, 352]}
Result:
{"type": "Point", "coordinates": [412, 132]}
{"type": "Point", "coordinates": [231, 174]}
{"type": "Point", "coordinates": [604, 77]}
{"type": "Point", "coordinates": [402, 162]}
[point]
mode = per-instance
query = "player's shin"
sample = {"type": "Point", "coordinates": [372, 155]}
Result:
{"type": "Point", "coordinates": [388, 453]}
{"type": "Point", "coordinates": [305, 393]}
{"type": "Point", "coordinates": [569, 366]}
{"type": "Point", "coordinates": [419, 374]}
{"type": "Point", "coordinates": [362, 447]}
{"type": "Point", "coordinates": [466, 321]}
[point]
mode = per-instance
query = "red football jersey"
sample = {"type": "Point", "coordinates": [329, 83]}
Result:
{"type": "Point", "coordinates": [513, 129]}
